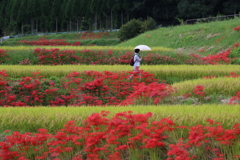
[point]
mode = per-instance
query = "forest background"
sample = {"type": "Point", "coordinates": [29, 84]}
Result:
{"type": "Point", "coordinates": [34, 16]}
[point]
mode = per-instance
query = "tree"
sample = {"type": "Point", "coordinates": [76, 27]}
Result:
{"type": "Point", "coordinates": [198, 8]}
{"type": "Point", "coordinates": [148, 24]}
{"type": "Point", "coordinates": [22, 15]}
{"type": "Point", "coordinates": [130, 30]}
{"type": "Point", "coordinates": [55, 8]}
{"type": "Point", "coordinates": [231, 7]}
{"type": "Point", "coordinates": [77, 11]}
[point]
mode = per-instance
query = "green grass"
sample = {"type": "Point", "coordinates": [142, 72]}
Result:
{"type": "Point", "coordinates": [30, 119]}
{"type": "Point", "coordinates": [191, 38]}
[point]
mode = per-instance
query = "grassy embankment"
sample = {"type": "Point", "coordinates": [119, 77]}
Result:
{"type": "Point", "coordinates": [103, 40]}
{"type": "Point", "coordinates": [213, 37]}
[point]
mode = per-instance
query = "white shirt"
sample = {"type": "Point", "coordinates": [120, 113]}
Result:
{"type": "Point", "coordinates": [137, 60]}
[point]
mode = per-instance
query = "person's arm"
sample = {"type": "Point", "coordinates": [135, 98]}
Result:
{"type": "Point", "coordinates": [138, 58]}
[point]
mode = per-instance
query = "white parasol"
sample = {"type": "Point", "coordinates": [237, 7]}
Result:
{"type": "Point", "coordinates": [143, 48]}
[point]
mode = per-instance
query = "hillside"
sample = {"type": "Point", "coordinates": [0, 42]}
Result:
{"type": "Point", "coordinates": [202, 37]}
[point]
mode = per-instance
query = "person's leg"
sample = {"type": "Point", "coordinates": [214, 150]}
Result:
{"type": "Point", "coordinates": [132, 74]}
{"type": "Point", "coordinates": [137, 71]}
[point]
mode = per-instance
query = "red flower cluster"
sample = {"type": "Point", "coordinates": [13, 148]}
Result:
{"type": "Point", "coordinates": [232, 75]}
{"type": "Point", "coordinates": [25, 62]}
{"type": "Point", "coordinates": [194, 59]}
{"type": "Point", "coordinates": [236, 45]}
{"type": "Point", "coordinates": [2, 55]}
{"type": "Point", "coordinates": [91, 35]}
{"type": "Point", "coordinates": [144, 94]}
{"type": "Point", "coordinates": [237, 28]}
{"type": "Point", "coordinates": [51, 42]}
{"type": "Point", "coordinates": [88, 88]}
{"type": "Point", "coordinates": [219, 58]}
{"type": "Point", "coordinates": [55, 56]}
{"type": "Point", "coordinates": [235, 99]}
{"type": "Point", "coordinates": [197, 91]}
{"type": "Point", "coordinates": [116, 138]}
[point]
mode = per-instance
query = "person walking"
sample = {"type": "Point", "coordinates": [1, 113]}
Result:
{"type": "Point", "coordinates": [136, 65]}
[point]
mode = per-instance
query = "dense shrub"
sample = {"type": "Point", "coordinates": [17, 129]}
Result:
{"type": "Point", "coordinates": [135, 27]}
{"type": "Point", "coordinates": [130, 30]}
{"type": "Point", "coordinates": [148, 25]}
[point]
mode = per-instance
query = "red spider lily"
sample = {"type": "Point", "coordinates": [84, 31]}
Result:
{"type": "Point", "coordinates": [237, 28]}
{"type": "Point", "coordinates": [232, 75]}
{"type": "Point", "coordinates": [198, 90]}
{"type": "Point", "coordinates": [179, 151]}
{"type": "Point", "coordinates": [209, 77]}
{"type": "Point", "coordinates": [55, 56]}
{"type": "Point", "coordinates": [88, 88]}
{"type": "Point", "coordinates": [90, 35]}
{"type": "Point", "coordinates": [116, 137]}
{"type": "Point", "coordinates": [235, 99]}
{"type": "Point", "coordinates": [196, 135]}
{"type": "Point", "coordinates": [218, 40]}
{"type": "Point", "coordinates": [218, 58]}
{"type": "Point", "coordinates": [3, 55]}
{"type": "Point", "coordinates": [155, 91]}
{"type": "Point", "coordinates": [45, 42]}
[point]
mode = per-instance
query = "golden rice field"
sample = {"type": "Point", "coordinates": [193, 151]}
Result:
{"type": "Point", "coordinates": [53, 118]}
{"type": "Point", "coordinates": [221, 86]}
{"type": "Point", "coordinates": [160, 71]}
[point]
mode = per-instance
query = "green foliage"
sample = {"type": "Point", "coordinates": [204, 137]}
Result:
{"type": "Point", "coordinates": [100, 42]}
{"type": "Point", "coordinates": [17, 57]}
{"type": "Point", "coordinates": [135, 27]}
{"type": "Point", "coordinates": [130, 30]}
{"type": "Point", "coordinates": [171, 80]}
{"type": "Point", "coordinates": [149, 24]}
{"type": "Point", "coordinates": [235, 54]}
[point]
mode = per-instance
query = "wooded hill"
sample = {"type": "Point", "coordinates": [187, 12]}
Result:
{"type": "Point", "coordinates": [32, 16]}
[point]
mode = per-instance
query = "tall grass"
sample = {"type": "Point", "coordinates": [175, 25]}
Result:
{"type": "Point", "coordinates": [30, 119]}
